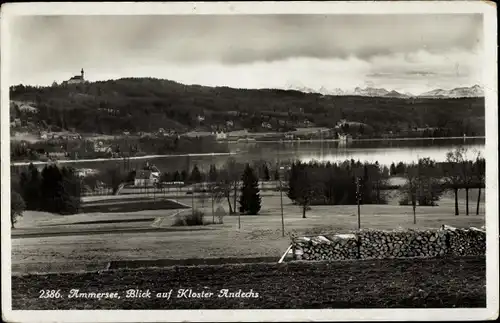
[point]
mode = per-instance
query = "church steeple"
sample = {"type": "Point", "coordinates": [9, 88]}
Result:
{"type": "Point", "coordinates": [82, 73]}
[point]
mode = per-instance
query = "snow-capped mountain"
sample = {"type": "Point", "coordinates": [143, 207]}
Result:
{"type": "Point", "coordinates": [437, 93]}
{"type": "Point", "coordinates": [300, 88]}
{"type": "Point", "coordinates": [396, 94]}
{"type": "Point", "coordinates": [337, 91]}
{"type": "Point", "coordinates": [459, 92]}
{"type": "Point", "coordinates": [462, 92]}
{"type": "Point", "coordinates": [370, 91]}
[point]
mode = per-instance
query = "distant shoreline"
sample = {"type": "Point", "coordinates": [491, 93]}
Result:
{"type": "Point", "coordinates": [66, 161]}
{"type": "Point", "coordinates": [26, 163]}
{"type": "Point", "coordinates": [352, 140]}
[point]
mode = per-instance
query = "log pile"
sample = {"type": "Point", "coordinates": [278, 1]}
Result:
{"type": "Point", "coordinates": [377, 244]}
{"type": "Point", "coordinates": [338, 247]}
{"type": "Point", "coordinates": [399, 244]}
{"type": "Point", "coordinates": [466, 242]}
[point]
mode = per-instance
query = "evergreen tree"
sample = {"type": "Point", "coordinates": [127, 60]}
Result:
{"type": "Point", "coordinates": [266, 176]}
{"type": "Point", "coordinates": [165, 177]}
{"type": "Point", "coordinates": [393, 169]}
{"type": "Point", "coordinates": [30, 184]}
{"type": "Point", "coordinates": [184, 176]}
{"type": "Point", "coordinates": [250, 200]}
{"type": "Point", "coordinates": [212, 174]}
{"type": "Point", "coordinates": [195, 175]}
{"type": "Point", "coordinates": [293, 182]}
{"type": "Point", "coordinates": [17, 207]}
{"type": "Point", "coordinates": [60, 190]}
{"type": "Point", "coordinates": [276, 174]}
{"type": "Point", "coordinates": [177, 177]}
{"type": "Point", "coordinates": [131, 176]}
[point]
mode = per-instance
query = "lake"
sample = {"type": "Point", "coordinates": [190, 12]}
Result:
{"type": "Point", "coordinates": [383, 151]}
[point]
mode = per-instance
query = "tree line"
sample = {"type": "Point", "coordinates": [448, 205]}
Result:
{"type": "Point", "coordinates": [118, 147]}
{"type": "Point", "coordinates": [343, 183]}
{"type": "Point", "coordinates": [57, 189]}
{"type": "Point", "coordinates": [426, 180]}
{"type": "Point", "coordinates": [54, 189]}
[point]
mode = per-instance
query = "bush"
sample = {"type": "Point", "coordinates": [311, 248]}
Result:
{"type": "Point", "coordinates": [193, 218]}
{"type": "Point", "coordinates": [404, 200]}
{"type": "Point", "coordinates": [17, 207]}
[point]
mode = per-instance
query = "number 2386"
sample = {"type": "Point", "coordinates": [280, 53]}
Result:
{"type": "Point", "coordinates": [50, 293]}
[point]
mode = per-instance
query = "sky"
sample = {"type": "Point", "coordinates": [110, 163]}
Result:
{"type": "Point", "coordinates": [406, 53]}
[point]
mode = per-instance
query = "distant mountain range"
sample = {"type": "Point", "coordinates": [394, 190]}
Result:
{"type": "Point", "coordinates": [459, 92]}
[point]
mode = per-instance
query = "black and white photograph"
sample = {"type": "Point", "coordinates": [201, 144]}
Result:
{"type": "Point", "coordinates": [180, 157]}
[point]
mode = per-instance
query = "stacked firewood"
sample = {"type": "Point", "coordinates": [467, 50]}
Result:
{"type": "Point", "coordinates": [396, 244]}
{"type": "Point", "coordinates": [466, 242]}
{"type": "Point", "coordinates": [376, 244]}
{"type": "Point", "coordinates": [338, 247]}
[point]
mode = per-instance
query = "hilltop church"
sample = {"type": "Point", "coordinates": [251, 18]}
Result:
{"type": "Point", "coordinates": [77, 79]}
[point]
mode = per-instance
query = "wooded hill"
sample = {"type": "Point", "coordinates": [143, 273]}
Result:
{"type": "Point", "coordinates": [147, 104]}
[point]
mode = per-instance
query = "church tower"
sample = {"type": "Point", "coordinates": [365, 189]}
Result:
{"type": "Point", "coordinates": [82, 74]}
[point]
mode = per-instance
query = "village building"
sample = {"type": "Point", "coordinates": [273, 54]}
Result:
{"type": "Point", "coordinates": [220, 135]}
{"type": "Point", "coordinates": [343, 138]}
{"type": "Point", "coordinates": [308, 123]}
{"type": "Point", "coordinates": [266, 125]}
{"type": "Point", "coordinates": [99, 147]}
{"type": "Point", "coordinates": [145, 178]}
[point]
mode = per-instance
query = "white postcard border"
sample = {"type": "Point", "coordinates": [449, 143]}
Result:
{"type": "Point", "coordinates": [413, 7]}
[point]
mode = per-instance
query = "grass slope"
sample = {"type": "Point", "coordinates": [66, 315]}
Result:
{"type": "Point", "coordinates": [259, 236]}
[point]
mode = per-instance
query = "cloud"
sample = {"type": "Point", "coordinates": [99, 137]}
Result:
{"type": "Point", "coordinates": [240, 50]}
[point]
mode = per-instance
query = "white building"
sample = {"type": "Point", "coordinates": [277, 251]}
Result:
{"type": "Point", "coordinates": [266, 125]}
{"type": "Point", "coordinates": [220, 135]}
{"type": "Point", "coordinates": [99, 147]}
{"type": "Point", "coordinates": [345, 138]}
{"type": "Point", "coordinates": [145, 178]}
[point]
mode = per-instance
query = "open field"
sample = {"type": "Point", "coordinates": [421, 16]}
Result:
{"type": "Point", "coordinates": [259, 236]}
{"type": "Point", "coordinates": [130, 205]}
{"type": "Point", "coordinates": [395, 283]}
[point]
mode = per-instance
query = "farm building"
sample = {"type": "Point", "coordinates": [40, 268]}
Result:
{"type": "Point", "coordinates": [145, 178]}
{"type": "Point", "coordinates": [220, 135]}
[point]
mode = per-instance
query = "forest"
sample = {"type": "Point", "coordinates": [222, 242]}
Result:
{"type": "Point", "coordinates": [147, 104]}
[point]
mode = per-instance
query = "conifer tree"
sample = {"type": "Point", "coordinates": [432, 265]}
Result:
{"type": "Point", "coordinates": [212, 174]}
{"type": "Point", "coordinates": [184, 176]}
{"type": "Point", "coordinates": [293, 182]}
{"type": "Point", "coordinates": [266, 176]}
{"type": "Point", "coordinates": [250, 200]}
{"type": "Point", "coordinates": [177, 177]}
{"type": "Point", "coordinates": [195, 175]}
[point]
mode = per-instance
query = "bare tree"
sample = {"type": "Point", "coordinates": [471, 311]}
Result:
{"type": "Point", "coordinates": [454, 171]}
{"type": "Point", "coordinates": [307, 189]}
{"type": "Point", "coordinates": [429, 186]}
{"type": "Point", "coordinates": [411, 188]}
{"type": "Point", "coordinates": [230, 178]}
{"type": "Point", "coordinates": [480, 176]}
{"type": "Point", "coordinates": [216, 195]}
